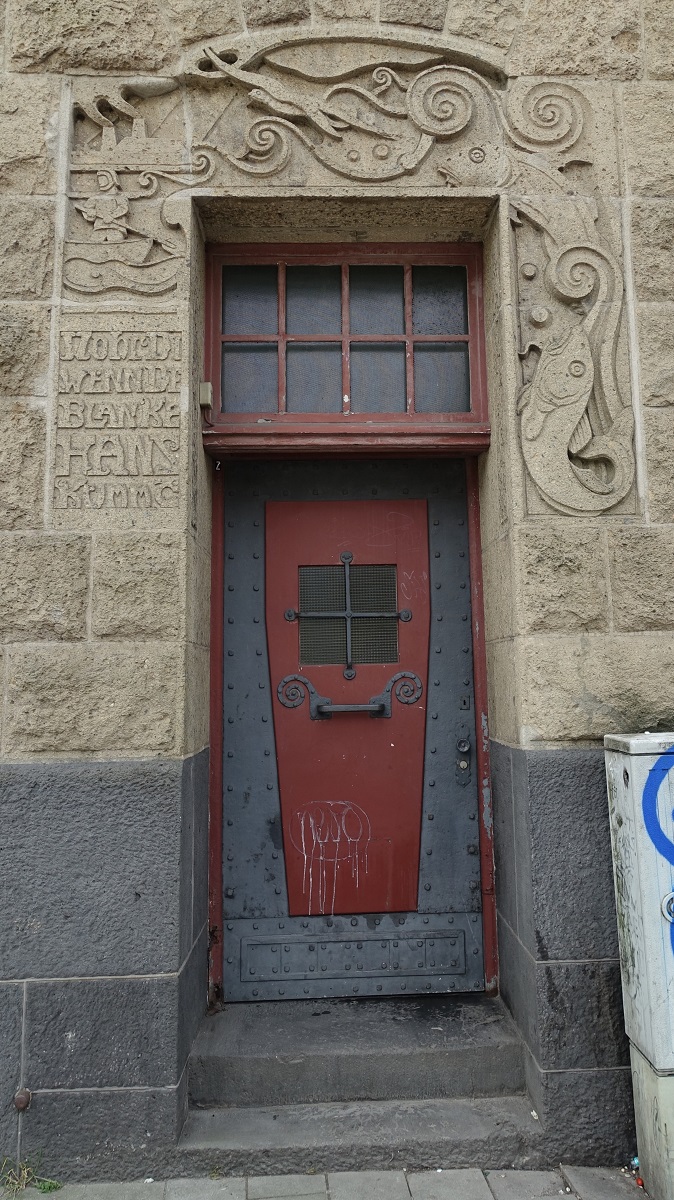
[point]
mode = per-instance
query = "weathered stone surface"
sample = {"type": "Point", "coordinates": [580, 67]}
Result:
{"type": "Point", "coordinates": [45, 584]}
{"type": "Point", "coordinates": [26, 249]}
{"type": "Point", "coordinates": [642, 578]}
{"type": "Point", "coordinates": [28, 132]}
{"type": "Point", "coordinates": [656, 354]}
{"type": "Point", "coordinates": [138, 584]}
{"type": "Point", "coordinates": [659, 439]}
{"type": "Point", "coordinates": [22, 466]}
{"type": "Point", "coordinates": [649, 116]}
{"type": "Point", "coordinates": [653, 248]}
{"type": "Point", "coordinates": [193, 19]}
{"type": "Point", "coordinates": [497, 562]}
{"type": "Point", "coordinates": [491, 21]}
{"type": "Point", "coordinates": [578, 689]}
{"type": "Point", "coordinates": [83, 698]}
{"type": "Point", "coordinates": [104, 840]}
{"type": "Point", "coordinates": [102, 1033]}
{"type": "Point", "coordinates": [346, 10]}
{"type": "Point", "coordinates": [659, 38]}
{"type": "Point", "coordinates": [89, 34]}
{"type": "Point", "coordinates": [24, 349]}
{"type": "Point", "coordinates": [561, 578]}
{"type": "Point", "coordinates": [197, 674]}
{"type": "Point", "coordinates": [272, 12]}
{"type": "Point", "coordinates": [503, 687]}
{"type": "Point", "coordinates": [428, 13]}
{"type": "Point", "coordinates": [601, 38]}
{"type": "Point", "coordinates": [11, 1020]}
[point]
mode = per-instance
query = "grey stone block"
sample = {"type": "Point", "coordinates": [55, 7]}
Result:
{"type": "Point", "coordinates": [586, 1116]}
{"type": "Point", "coordinates": [206, 1189]}
{"type": "Point", "coordinates": [599, 1183]}
{"type": "Point", "coordinates": [103, 890]}
{"type": "Point", "coordinates": [523, 851]}
{"type": "Point", "coordinates": [104, 1135]}
{"type": "Point", "coordinates": [187, 861]}
{"type": "Point", "coordinates": [200, 768]}
{"type": "Point", "coordinates": [368, 1185]}
{"type": "Point", "coordinates": [11, 1017]}
{"type": "Point", "coordinates": [504, 835]}
{"type": "Point", "coordinates": [192, 997]}
{"type": "Point", "coordinates": [517, 977]}
{"type": "Point", "coordinates": [449, 1185]}
{"type": "Point", "coordinates": [102, 1033]}
{"type": "Point", "coordinates": [525, 1185]}
{"type": "Point", "coordinates": [269, 1187]}
{"type": "Point", "coordinates": [570, 855]}
{"type": "Point", "coordinates": [580, 1020]}
{"type": "Point", "coordinates": [334, 1050]}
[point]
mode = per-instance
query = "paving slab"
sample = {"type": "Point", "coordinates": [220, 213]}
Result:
{"type": "Point", "coordinates": [525, 1185]}
{"type": "Point", "coordinates": [368, 1185]}
{"type": "Point", "coordinates": [448, 1185]}
{"type": "Point", "coordinates": [285, 1187]}
{"type": "Point", "coordinates": [600, 1183]}
{"type": "Point", "coordinates": [206, 1189]}
{"type": "Point", "coordinates": [112, 1191]}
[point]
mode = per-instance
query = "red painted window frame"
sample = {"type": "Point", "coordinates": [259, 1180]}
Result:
{"type": "Point", "coordinates": [300, 433]}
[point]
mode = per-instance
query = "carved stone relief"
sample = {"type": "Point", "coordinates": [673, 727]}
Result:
{"type": "Point", "coordinates": [358, 113]}
{"type": "Point", "coordinates": [118, 420]}
{"type": "Point", "coordinates": [122, 239]}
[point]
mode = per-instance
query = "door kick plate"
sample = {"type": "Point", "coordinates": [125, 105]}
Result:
{"type": "Point", "coordinates": [389, 954]}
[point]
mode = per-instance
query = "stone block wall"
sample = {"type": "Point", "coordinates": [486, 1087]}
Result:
{"type": "Point", "coordinates": [114, 131]}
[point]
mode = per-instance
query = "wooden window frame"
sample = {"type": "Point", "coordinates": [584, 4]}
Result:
{"type": "Point", "coordinates": [263, 434]}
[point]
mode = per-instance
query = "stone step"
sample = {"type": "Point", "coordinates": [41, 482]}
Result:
{"type": "Point", "coordinates": [329, 1051]}
{"type": "Point", "coordinates": [368, 1135]}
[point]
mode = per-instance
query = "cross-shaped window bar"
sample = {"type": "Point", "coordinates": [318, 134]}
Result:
{"type": "Point", "coordinates": [353, 610]}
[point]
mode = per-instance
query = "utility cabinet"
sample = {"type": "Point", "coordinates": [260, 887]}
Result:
{"type": "Point", "coordinates": [640, 780]}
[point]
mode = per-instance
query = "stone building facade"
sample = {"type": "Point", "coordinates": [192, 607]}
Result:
{"type": "Point", "coordinates": [133, 136]}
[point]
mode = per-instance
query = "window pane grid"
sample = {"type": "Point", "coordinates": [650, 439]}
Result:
{"type": "Point", "coordinates": [412, 336]}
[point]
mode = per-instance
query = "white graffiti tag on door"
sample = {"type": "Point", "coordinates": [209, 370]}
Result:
{"type": "Point", "coordinates": [329, 833]}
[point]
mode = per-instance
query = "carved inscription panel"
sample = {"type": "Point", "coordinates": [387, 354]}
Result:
{"type": "Point", "coordinates": [118, 425]}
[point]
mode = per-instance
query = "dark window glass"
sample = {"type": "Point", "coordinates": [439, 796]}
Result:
{"type": "Point", "coordinates": [314, 300]}
{"type": "Point", "coordinates": [373, 588]}
{"type": "Point", "coordinates": [441, 377]}
{"type": "Point", "coordinates": [249, 377]}
{"type": "Point", "coordinates": [377, 303]}
{"type": "Point", "coordinates": [378, 378]}
{"type": "Point", "coordinates": [374, 640]}
{"type": "Point", "coordinates": [322, 640]}
{"type": "Point", "coordinates": [314, 377]}
{"type": "Point", "coordinates": [249, 300]}
{"type": "Point", "coordinates": [439, 302]}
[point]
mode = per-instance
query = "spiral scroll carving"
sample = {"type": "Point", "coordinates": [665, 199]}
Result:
{"type": "Point", "coordinates": [439, 104]}
{"type": "Point", "coordinates": [267, 149]}
{"type": "Point", "coordinates": [548, 116]}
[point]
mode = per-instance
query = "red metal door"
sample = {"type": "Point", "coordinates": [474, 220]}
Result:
{"type": "Point", "coordinates": [350, 778]}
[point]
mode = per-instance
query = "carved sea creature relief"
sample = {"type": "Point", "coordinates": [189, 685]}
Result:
{"type": "Point", "coordinates": [576, 430]}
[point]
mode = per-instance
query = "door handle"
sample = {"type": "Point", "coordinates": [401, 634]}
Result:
{"type": "Point", "coordinates": [376, 708]}
{"type": "Point", "coordinates": [293, 690]}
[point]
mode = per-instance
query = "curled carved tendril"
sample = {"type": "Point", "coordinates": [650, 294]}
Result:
{"type": "Point", "coordinates": [148, 182]}
{"type": "Point", "coordinates": [384, 77]}
{"type": "Point", "coordinates": [204, 164]}
{"type": "Point", "coordinates": [438, 103]}
{"type": "Point", "coordinates": [578, 270]}
{"type": "Point", "coordinates": [408, 687]}
{"type": "Point", "coordinates": [547, 115]}
{"type": "Point", "coordinates": [292, 691]}
{"type": "Point", "coordinates": [267, 147]}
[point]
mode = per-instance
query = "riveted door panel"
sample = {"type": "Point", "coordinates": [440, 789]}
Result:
{"type": "Point", "coordinates": [400, 910]}
{"type": "Point", "coordinates": [350, 768]}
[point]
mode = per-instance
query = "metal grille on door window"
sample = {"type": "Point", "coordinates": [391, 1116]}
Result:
{"type": "Point", "coordinates": [348, 614]}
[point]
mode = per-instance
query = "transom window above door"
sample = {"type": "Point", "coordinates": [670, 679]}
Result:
{"type": "Point", "coordinates": [333, 346]}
